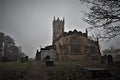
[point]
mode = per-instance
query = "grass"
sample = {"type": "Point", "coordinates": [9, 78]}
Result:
{"type": "Point", "coordinates": [65, 70]}
{"type": "Point", "coordinates": [72, 70]}
{"type": "Point", "coordinates": [62, 70]}
{"type": "Point", "coordinates": [82, 63]}
{"type": "Point", "coordinates": [13, 70]}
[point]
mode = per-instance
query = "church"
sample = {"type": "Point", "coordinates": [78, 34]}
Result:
{"type": "Point", "coordinates": [73, 45]}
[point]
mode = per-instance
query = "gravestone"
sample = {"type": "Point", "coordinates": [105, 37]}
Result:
{"type": "Point", "coordinates": [109, 59]}
{"type": "Point", "coordinates": [103, 59]}
{"type": "Point", "coordinates": [49, 63]}
{"type": "Point", "coordinates": [96, 73]}
{"type": "Point", "coordinates": [22, 60]}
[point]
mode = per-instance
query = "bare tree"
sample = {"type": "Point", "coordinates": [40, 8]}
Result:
{"type": "Point", "coordinates": [104, 15]}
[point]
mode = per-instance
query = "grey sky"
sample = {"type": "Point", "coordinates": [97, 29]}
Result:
{"type": "Point", "coordinates": [29, 22]}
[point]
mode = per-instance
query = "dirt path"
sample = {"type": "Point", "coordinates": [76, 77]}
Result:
{"type": "Point", "coordinates": [36, 72]}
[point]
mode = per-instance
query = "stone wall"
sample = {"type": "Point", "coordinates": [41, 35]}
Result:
{"type": "Point", "coordinates": [63, 48]}
{"type": "Point", "coordinates": [51, 53]}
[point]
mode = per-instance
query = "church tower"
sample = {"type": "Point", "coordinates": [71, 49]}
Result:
{"type": "Point", "coordinates": [58, 27]}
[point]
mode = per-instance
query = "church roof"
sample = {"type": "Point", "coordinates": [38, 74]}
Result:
{"type": "Point", "coordinates": [75, 32]}
{"type": "Point", "coordinates": [48, 47]}
{"type": "Point", "coordinates": [70, 33]}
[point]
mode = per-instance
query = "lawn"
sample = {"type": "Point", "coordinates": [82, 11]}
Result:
{"type": "Point", "coordinates": [73, 70]}
{"type": "Point", "coordinates": [13, 70]}
{"type": "Point", "coordinates": [68, 70]}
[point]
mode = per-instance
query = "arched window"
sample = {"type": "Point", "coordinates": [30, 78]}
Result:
{"type": "Point", "coordinates": [75, 45]}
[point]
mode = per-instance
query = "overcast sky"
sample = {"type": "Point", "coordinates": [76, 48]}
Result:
{"type": "Point", "coordinates": [29, 22]}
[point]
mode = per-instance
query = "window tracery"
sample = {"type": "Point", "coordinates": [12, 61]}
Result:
{"type": "Point", "coordinates": [75, 45]}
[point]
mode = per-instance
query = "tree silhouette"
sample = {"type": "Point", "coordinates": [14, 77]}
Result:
{"type": "Point", "coordinates": [105, 15]}
{"type": "Point", "coordinates": [8, 49]}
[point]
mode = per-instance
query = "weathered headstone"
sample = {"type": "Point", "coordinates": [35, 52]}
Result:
{"type": "Point", "coordinates": [109, 59]}
{"type": "Point", "coordinates": [22, 60]}
{"type": "Point", "coordinates": [96, 73]}
{"type": "Point", "coordinates": [49, 63]}
{"type": "Point", "coordinates": [103, 59]}
{"type": "Point", "coordinates": [26, 58]}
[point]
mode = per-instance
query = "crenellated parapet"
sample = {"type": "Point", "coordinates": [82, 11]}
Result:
{"type": "Point", "coordinates": [56, 21]}
{"type": "Point", "coordinates": [70, 33]}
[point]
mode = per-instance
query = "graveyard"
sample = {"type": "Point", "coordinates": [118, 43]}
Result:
{"type": "Point", "coordinates": [59, 40]}
{"type": "Point", "coordinates": [60, 70]}
{"type": "Point", "coordinates": [73, 70]}
{"type": "Point", "coordinates": [13, 70]}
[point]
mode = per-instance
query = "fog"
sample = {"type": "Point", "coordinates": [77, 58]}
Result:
{"type": "Point", "coordinates": [29, 22]}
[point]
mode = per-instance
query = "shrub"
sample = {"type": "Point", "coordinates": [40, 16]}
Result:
{"type": "Point", "coordinates": [4, 59]}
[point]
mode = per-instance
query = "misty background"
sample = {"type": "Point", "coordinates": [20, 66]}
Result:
{"type": "Point", "coordinates": [29, 22]}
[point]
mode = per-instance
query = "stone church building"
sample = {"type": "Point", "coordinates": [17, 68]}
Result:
{"type": "Point", "coordinates": [73, 45]}
{"type": "Point", "coordinates": [70, 46]}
